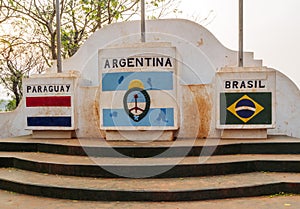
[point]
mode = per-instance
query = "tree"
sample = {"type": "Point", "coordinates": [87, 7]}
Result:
{"type": "Point", "coordinates": [84, 17]}
{"type": "Point", "coordinates": [17, 59]}
{"type": "Point", "coordinates": [79, 18]}
{"type": "Point", "coordinates": [41, 15]}
{"type": "Point", "coordinates": [161, 8]}
{"type": "Point", "coordinates": [5, 13]}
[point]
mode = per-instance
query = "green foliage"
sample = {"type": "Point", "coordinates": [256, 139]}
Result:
{"type": "Point", "coordinates": [12, 105]}
{"type": "Point", "coordinates": [8, 105]}
{"type": "Point", "coordinates": [282, 194]}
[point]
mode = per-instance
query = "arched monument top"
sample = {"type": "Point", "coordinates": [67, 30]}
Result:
{"type": "Point", "coordinates": [194, 44]}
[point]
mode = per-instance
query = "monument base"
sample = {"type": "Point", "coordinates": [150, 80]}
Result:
{"type": "Point", "coordinates": [49, 134]}
{"type": "Point", "coordinates": [139, 135]}
{"type": "Point", "coordinates": [244, 134]}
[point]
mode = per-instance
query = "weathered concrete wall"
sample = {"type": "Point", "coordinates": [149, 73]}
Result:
{"type": "Point", "coordinates": [287, 107]}
{"type": "Point", "coordinates": [13, 123]}
{"type": "Point", "coordinates": [88, 118]}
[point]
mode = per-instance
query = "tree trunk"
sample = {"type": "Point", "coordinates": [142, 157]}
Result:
{"type": "Point", "coordinates": [53, 47]}
{"type": "Point", "coordinates": [16, 92]}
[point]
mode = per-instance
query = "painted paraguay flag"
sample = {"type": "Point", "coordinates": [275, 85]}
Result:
{"type": "Point", "coordinates": [49, 106]}
{"type": "Point", "coordinates": [58, 109]}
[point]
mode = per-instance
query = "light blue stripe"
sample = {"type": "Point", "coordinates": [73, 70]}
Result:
{"type": "Point", "coordinates": [155, 117]}
{"type": "Point", "coordinates": [151, 80]}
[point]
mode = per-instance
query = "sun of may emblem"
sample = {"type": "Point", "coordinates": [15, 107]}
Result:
{"type": "Point", "coordinates": [136, 101]}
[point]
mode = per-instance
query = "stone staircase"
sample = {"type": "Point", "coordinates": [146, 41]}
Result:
{"type": "Point", "coordinates": [183, 170]}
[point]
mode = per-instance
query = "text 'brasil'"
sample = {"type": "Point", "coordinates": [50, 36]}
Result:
{"type": "Point", "coordinates": [244, 84]}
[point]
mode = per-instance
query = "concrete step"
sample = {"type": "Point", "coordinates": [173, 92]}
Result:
{"type": "Point", "coordinates": [178, 148]}
{"type": "Point", "coordinates": [182, 170]}
{"type": "Point", "coordinates": [12, 200]}
{"type": "Point", "coordinates": [174, 189]}
{"type": "Point", "coordinates": [191, 166]}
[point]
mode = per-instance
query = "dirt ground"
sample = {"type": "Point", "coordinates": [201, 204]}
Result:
{"type": "Point", "coordinates": [11, 200]}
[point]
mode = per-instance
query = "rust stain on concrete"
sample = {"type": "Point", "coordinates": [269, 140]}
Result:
{"type": "Point", "coordinates": [97, 116]}
{"type": "Point", "coordinates": [200, 42]}
{"type": "Point", "coordinates": [204, 105]}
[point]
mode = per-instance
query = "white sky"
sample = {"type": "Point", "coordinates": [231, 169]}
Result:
{"type": "Point", "coordinates": [271, 29]}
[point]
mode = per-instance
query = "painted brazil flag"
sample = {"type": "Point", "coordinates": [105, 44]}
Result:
{"type": "Point", "coordinates": [246, 108]}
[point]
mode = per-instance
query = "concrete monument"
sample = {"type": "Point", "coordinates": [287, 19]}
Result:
{"type": "Point", "coordinates": [182, 83]}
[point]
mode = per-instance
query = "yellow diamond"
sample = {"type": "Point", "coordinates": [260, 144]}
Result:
{"type": "Point", "coordinates": [245, 108]}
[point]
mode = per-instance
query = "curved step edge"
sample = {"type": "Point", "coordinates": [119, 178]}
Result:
{"type": "Point", "coordinates": [114, 195]}
{"type": "Point", "coordinates": [146, 171]}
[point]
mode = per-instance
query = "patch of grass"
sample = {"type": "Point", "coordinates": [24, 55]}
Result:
{"type": "Point", "coordinates": [283, 194]}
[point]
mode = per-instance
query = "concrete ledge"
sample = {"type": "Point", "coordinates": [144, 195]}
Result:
{"type": "Point", "coordinates": [244, 134]}
{"type": "Point", "coordinates": [100, 148]}
{"type": "Point", "coordinates": [139, 136]}
{"type": "Point", "coordinates": [48, 134]}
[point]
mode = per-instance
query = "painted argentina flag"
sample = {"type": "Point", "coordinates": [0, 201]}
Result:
{"type": "Point", "coordinates": [138, 91]}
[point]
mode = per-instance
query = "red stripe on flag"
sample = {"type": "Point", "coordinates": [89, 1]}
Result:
{"type": "Point", "coordinates": [49, 101]}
